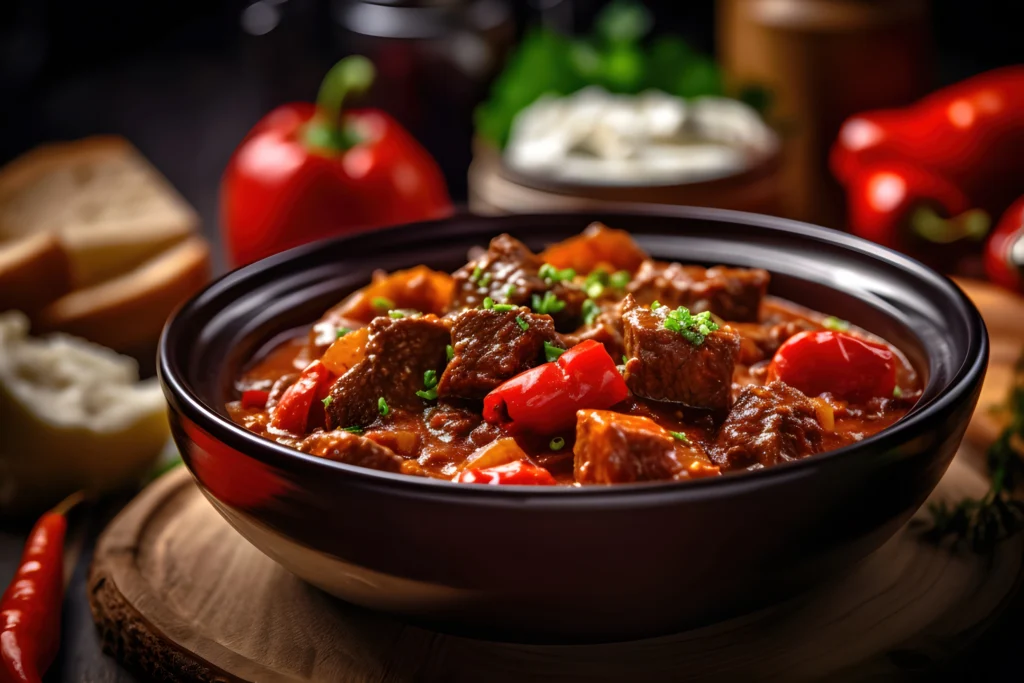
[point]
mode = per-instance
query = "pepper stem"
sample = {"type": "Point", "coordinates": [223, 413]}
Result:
{"type": "Point", "coordinates": [351, 76]}
{"type": "Point", "coordinates": [929, 225]}
{"type": "Point", "coordinates": [71, 501]}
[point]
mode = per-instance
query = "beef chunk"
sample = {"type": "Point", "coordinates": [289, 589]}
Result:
{"type": "Point", "coordinates": [665, 366]}
{"type": "Point", "coordinates": [398, 352]}
{"type": "Point", "coordinates": [508, 272]}
{"type": "Point", "coordinates": [605, 329]}
{"type": "Point", "coordinates": [491, 346]}
{"type": "Point", "coordinates": [729, 293]}
{"type": "Point", "coordinates": [613, 448]}
{"type": "Point", "coordinates": [761, 341]}
{"type": "Point", "coordinates": [768, 425]}
{"type": "Point", "coordinates": [351, 449]}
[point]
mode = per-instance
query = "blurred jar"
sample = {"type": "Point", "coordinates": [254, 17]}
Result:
{"type": "Point", "coordinates": [822, 61]}
{"type": "Point", "coordinates": [435, 60]}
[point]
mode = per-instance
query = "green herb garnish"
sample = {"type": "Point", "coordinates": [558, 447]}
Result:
{"type": "Point", "coordinates": [523, 325]}
{"type": "Point", "coordinates": [590, 311]}
{"type": "Point", "coordinates": [983, 522]}
{"type": "Point", "coordinates": [488, 303]}
{"type": "Point", "coordinates": [596, 282]}
{"type": "Point", "coordinates": [897, 392]}
{"type": "Point", "coordinates": [551, 275]}
{"type": "Point", "coordinates": [835, 324]}
{"type": "Point", "coordinates": [552, 352]}
{"type": "Point", "coordinates": [429, 392]}
{"type": "Point", "coordinates": [620, 279]}
{"type": "Point", "coordinates": [510, 291]}
{"type": "Point", "coordinates": [655, 305]}
{"type": "Point", "coordinates": [395, 314]}
{"type": "Point", "coordinates": [475, 275]}
{"type": "Point", "coordinates": [504, 307]}
{"type": "Point", "coordinates": [382, 303]}
{"type": "Point", "coordinates": [449, 352]}
{"type": "Point", "coordinates": [557, 443]}
{"type": "Point", "coordinates": [694, 328]}
{"type": "Point", "coordinates": [354, 429]}
{"type": "Point", "coordinates": [342, 331]}
{"type": "Point", "coordinates": [549, 303]}
{"type": "Point", "coordinates": [485, 280]}
{"type": "Point", "coordinates": [382, 407]}
{"type": "Point", "coordinates": [625, 359]}
{"type": "Point", "coordinates": [327, 401]}
{"type": "Point", "coordinates": [679, 436]}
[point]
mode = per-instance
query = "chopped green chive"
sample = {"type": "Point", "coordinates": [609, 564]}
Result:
{"type": "Point", "coordinates": [382, 303]}
{"type": "Point", "coordinates": [488, 303]}
{"type": "Point", "coordinates": [510, 291]}
{"type": "Point", "coordinates": [552, 352]}
{"type": "Point", "coordinates": [395, 315]}
{"type": "Point", "coordinates": [550, 274]}
{"type": "Point", "coordinates": [354, 429]}
{"type": "Point", "coordinates": [679, 436]}
{"type": "Point", "coordinates": [836, 324]}
{"type": "Point", "coordinates": [655, 305]}
{"type": "Point", "coordinates": [427, 394]}
{"type": "Point", "coordinates": [342, 331]}
{"type": "Point", "coordinates": [504, 307]}
{"type": "Point", "coordinates": [450, 352]}
{"type": "Point", "coordinates": [590, 311]}
{"type": "Point", "coordinates": [382, 407]}
{"type": "Point", "coordinates": [595, 283]}
{"type": "Point", "coordinates": [625, 359]}
{"type": "Point", "coordinates": [485, 280]}
{"type": "Point", "coordinates": [693, 328]}
{"type": "Point", "coordinates": [475, 275]}
{"type": "Point", "coordinates": [327, 401]}
{"type": "Point", "coordinates": [549, 304]}
{"type": "Point", "coordinates": [557, 443]}
{"type": "Point", "coordinates": [523, 325]}
{"type": "Point", "coordinates": [897, 392]}
{"type": "Point", "coordinates": [430, 379]}
{"type": "Point", "coordinates": [620, 279]}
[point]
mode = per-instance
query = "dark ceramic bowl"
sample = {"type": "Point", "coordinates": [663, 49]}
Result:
{"type": "Point", "coordinates": [597, 563]}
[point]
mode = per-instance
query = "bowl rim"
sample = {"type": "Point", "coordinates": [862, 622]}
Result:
{"type": "Point", "coordinates": [183, 398]}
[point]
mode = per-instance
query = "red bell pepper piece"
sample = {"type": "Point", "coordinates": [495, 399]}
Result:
{"type": "Point", "coordinates": [307, 172]}
{"type": "Point", "coordinates": [1004, 253]}
{"type": "Point", "coordinates": [518, 473]}
{"type": "Point", "coordinates": [255, 399]}
{"type": "Point", "coordinates": [544, 399]}
{"type": "Point", "coordinates": [841, 364]}
{"type": "Point", "coordinates": [292, 412]}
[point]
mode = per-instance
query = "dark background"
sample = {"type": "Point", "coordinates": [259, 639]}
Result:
{"type": "Point", "coordinates": [185, 80]}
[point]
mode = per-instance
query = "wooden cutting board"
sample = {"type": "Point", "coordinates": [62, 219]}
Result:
{"type": "Point", "coordinates": [178, 595]}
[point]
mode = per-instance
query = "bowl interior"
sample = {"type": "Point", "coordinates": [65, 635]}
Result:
{"type": "Point", "coordinates": [217, 333]}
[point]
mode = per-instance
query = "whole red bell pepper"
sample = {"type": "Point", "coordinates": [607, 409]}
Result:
{"type": "Point", "coordinates": [306, 172]}
{"type": "Point", "coordinates": [959, 155]}
{"type": "Point", "coordinates": [848, 367]}
{"type": "Point", "coordinates": [1004, 253]}
{"type": "Point", "coordinates": [544, 399]}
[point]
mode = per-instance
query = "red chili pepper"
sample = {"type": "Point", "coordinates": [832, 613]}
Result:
{"type": "Point", "coordinates": [255, 399]}
{"type": "Point", "coordinates": [292, 412]}
{"type": "Point", "coordinates": [1004, 253]}
{"type": "Point", "coordinates": [518, 473]}
{"type": "Point", "coordinates": [544, 399]}
{"type": "Point", "coordinates": [307, 172]}
{"type": "Point", "coordinates": [841, 364]}
{"type": "Point", "coordinates": [31, 606]}
{"type": "Point", "coordinates": [966, 146]}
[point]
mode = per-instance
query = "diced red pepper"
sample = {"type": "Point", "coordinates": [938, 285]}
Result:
{"type": "Point", "coordinates": [544, 399]}
{"type": "Point", "coordinates": [255, 399]}
{"type": "Point", "coordinates": [518, 473]}
{"type": "Point", "coordinates": [291, 414]}
{"type": "Point", "coordinates": [841, 364]}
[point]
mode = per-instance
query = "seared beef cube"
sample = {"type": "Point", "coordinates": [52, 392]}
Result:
{"type": "Point", "coordinates": [613, 448]}
{"type": "Point", "coordinates": [768, 425]}
{"type": "Point", "coordinates": [666, 366]}
{"type": "Point", "coordinates": [398, 353]}
{"type": "Point", "coordinates": [351, 449]}
{"type": "Point", "coordinates": [729, 293]}
{"type": "Point", "coordinates": [492, 346]}
{"type": "Point", "coordinates": [508, 272]}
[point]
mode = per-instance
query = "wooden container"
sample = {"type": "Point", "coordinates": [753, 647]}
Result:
{"type": "Point", "coordinates": [494, 188]}
{"type": "Point", "coordinates": [822, 61]}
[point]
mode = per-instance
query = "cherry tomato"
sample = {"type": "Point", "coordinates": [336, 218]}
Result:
{"type": "Point", "coordinates": [841, 364]}
{"type": "Point", "coordinates": [518, 473]}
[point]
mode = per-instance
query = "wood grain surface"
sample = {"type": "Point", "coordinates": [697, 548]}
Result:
{"type": "Point", "coordinates": [179, 596]}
